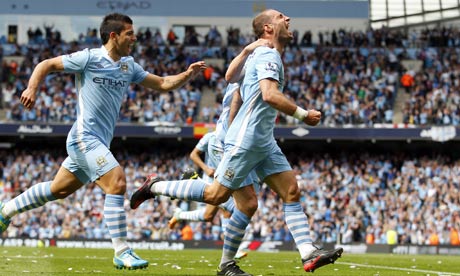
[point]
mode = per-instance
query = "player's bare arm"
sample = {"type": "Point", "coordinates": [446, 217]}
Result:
{"type": "Point", "coordinates": [235, 69]}
{"type": "Point", "coordinates": [234, 106]}
{"type": "Point", "coordinates": [195, 156]}
{"type": "Point", "coordinates": [28, 96]}
{"type": "Point", "coordinates": [276, 99]}
{"type": "Point", "coordinates": [168, 83]}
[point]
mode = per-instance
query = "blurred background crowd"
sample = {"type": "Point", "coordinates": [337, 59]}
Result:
{"type": "Point", "coordinates": [350, 195]}
{"type": "Point", "coordinates": [353, 77]}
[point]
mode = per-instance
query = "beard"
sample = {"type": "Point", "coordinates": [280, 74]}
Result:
{"type": "Point", "coordinates": [286, 38]}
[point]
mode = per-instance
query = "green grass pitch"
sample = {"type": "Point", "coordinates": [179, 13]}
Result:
{"type": "Point", "coordinates": [69, 261]}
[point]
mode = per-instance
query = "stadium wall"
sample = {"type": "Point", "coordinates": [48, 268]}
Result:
{"type": "Point", "coordinates": [169, 130]}
{"type": "Point", "coordinates": [267, 246]}
{"type": "Point", "coordinates": [73, 18]}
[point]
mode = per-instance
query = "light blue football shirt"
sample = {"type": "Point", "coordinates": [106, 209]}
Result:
{"type": "Point", "coordinates": [101, 84]}
{"type": "Point", "coordinates": [203, 143]}
{"type": "Point", "coordinates": [252, 128]}
{"type": "Point", "coordinates": [222, 123]}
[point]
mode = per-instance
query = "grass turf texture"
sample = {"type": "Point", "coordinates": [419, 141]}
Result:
{"type": "Point", "coordinates": [63, 261]}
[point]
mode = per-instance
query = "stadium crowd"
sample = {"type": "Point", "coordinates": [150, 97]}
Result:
{"type": "Point", "coordinates": [351, 76]}
{"type": "Point", "coordinates": [350, 197]}
{"type": "Point", "coordinates": [434, 91]}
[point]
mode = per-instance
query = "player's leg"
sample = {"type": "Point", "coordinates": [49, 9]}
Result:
{"type": "Point", "coordinates": [285, 185]}
{"type": "Point", "coordinates": [103, 169]}
{"type": "Point", "coordinates": [246, 205]}
{"type": "Point", "coordinates": [233, 171]}
{"type": "Point", "coordinates": [191, 189]}
{"type": "Point", "coordinates": [210, 212]}
{"type": "Point", "coordinates": [226, 215]}
{"type": "Point", "coordinates": [64, 184]}
{"type": "Point", "coordinates": [113, 183]}
{"type": "Point", "coordinates": [203, 214]}
{"type": "Point", "coordinates": [227, 210]}
{"type": "Point", "coordinates": [282, 180]}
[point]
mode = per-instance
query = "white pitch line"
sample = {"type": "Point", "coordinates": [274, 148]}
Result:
{"type": "Point", "coordinates": [49, 257]}
{"type": "Point", "coordinates": [402, 269]}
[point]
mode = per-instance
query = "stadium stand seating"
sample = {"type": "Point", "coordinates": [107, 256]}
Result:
{"type": "Point", "coordinates": [350, 194]}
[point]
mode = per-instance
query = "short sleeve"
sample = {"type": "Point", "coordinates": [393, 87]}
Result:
{"type": "Point", "coordinates": [203, 143]}
{"type": "Point", "coordinates": [76, 62]}
{"type": "Point", "coordinates": [268, 66]}
{"type": "Point", "coordinates": [139, 73]}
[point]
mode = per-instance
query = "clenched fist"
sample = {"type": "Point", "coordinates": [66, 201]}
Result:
{"type": "Point", "coordinates": [313, 118]}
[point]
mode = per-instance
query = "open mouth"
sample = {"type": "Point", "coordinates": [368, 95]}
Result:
{"type": "Point", "coordinates": [130, 47]}
{"type": "Point", "coordinates": [289, 31]}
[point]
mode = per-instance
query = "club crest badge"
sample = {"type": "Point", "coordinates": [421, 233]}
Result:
{"type": "Point", "coordinates": [101, 161]}
{"type": "Point", "coordinates": [124, 67]}
{"type": "Point", "coordinates": [229, 174]}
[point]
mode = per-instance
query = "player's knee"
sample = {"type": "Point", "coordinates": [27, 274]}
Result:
{"type": "Point", "coordinates": [293, 193]}
{"type": "Point", "coordinates": [62, 189]}
{"type": "Point", "coordinates": [215, 195]}
{"type": "Point", "coordinates": [119, 188]}
{"type": "Point", "coordinates": [252, 206]}
{"type": "Point", "coordinates": [248, 206]}
{"type": "Point", "coordinates": [208, 217]}
{"type": "Point", "coordinates": [116, 187]}
{"type": "Point", "coordinates": [113, 182]}
{"type": "Point", "coordinates": [62, 194]}
{"type": "Point", "coordinates": [218, 199]}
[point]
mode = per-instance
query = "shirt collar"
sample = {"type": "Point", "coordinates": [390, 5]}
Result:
{"type": "Point", "coordinates": [106, 52]}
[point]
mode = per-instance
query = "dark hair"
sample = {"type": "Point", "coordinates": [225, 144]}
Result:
{"type": "Point", "coordinates": [113, 22]}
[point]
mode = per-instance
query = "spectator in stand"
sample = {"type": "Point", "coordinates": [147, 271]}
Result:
{"type": "Point", "coordinates": [171, 37]}
{"type": "Point", "coordinates": [213, 38]}
{"type": "Point", "coordinates": [8, 92]}
{"type": "Point", "coordinates": [48, 33]}
{"type": "Point", "coordinates": [407, 81]}
{"type": "Point", "coordinates": [157, 37]}
{"type": "Point", "coordinates": [391, 236]}
{"type": "Point", "coordinates": [31, 35]}
{"type": "Point", "coordinates": [233, 36]}
{"type": "Point", "coordinates": [454, 236]}
{"type": "Point", "coordinates": [433, 238]}
{"type": "Point", "coordinates": [187, 233]}
{"type": "Point", "coordinates": [191, 36]}
{"type": "Point", "coordinates": [306, 39]}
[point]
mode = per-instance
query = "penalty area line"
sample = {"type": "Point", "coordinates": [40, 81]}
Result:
{"type": "Point", "coordinates": [401, 269]}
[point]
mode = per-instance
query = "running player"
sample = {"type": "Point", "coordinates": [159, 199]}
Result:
{"type": "Point", "coordinates": [102, 76]}
{"type": "Point", "coordinates": [250, 145]}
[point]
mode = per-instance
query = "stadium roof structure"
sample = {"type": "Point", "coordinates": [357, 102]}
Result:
{"type": "Point", "coordinates": [412, 13]}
